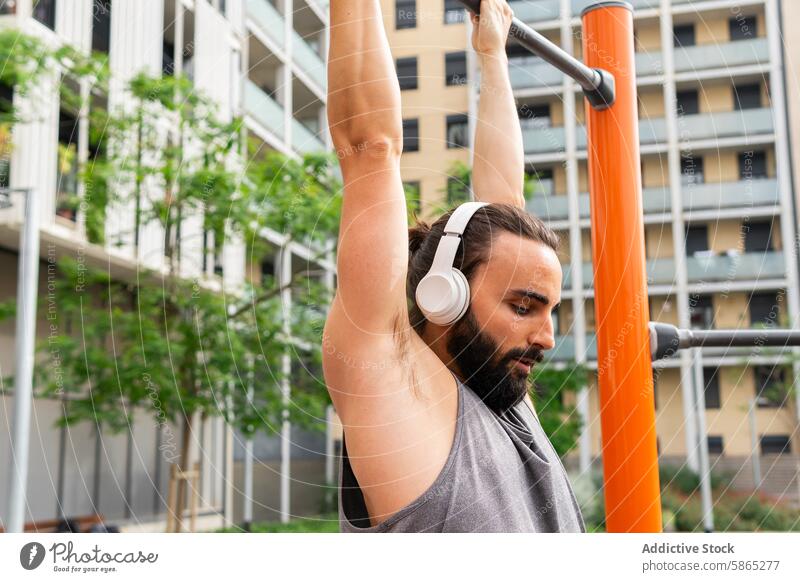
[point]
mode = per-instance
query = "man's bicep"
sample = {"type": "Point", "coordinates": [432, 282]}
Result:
{"type": "Point", "coordinates": [372, 258]}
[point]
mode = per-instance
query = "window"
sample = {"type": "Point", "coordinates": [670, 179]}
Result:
{"type": "Point", "coordinates": [770, 386]}
{"type": "Point", "coordinates": [701, 311]}
{"type": "Point", "coordinates": [683, 35]}
{"type": "Point", "coordinates": [457, 131]}
{"type": "Point", "coordinates": [747, 96]}
{"type": "Point", "coordinates": [742, 28]}
{"type": "Point", "coordinates": [45, 12]}
{"type": "Point", "coordinates": [688, 102]}
{"type": "Point", "coordinates": [405, 14]}
{"type": "Point", "coordinates": [696, 239]}
{"type": "Point", "coordinates": [535, 116]}
{"type": "Point", "coordinates": [101, 25]}
{"type": "Point", "coordinates": [763, 309]}
{"type": "Point", "coordinates": [540, 183]}
{"type": "Point", "coordinates": [455, 66]}
{"type": "Point", "coordinates": [407, 73]}
{"type": "Point", "coordinates": [715, 446]}
{"type": "Point", "coordinates": [67, 166]}
{"type": "Point", "coordinates": [752, 165]}
{"type": "Point", "coordinates": [411, 135]}
{"type": "Point", "coordinates": [691, 169]}
{"type": "Point", "coordinates": [412, 191]}
{"type": "Point", "coordinates": [454, 12]}
{"type": "Point", "coordinates": [267, 268]}
{"type": "Point", "coordinates": [758, 237]}
{"type": "Point", "coordinates": [711, 391]}
{"type": "Point", "coordinates": [775, 444]}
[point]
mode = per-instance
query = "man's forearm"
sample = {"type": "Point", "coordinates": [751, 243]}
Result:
{"type": "Point", "coordinates": [363, 92]}
{"type": "Point", "coordinates": [498, 167]}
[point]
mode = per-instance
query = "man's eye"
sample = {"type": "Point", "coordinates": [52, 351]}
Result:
{"type": "Point", "coordinates": [521, 309]}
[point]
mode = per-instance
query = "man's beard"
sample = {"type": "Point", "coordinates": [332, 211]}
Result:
{"type": "Point", "coordinates": [491, 375]}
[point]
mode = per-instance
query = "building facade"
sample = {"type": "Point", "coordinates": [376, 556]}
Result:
{"type": "Point", "coordinates": [257, 60]}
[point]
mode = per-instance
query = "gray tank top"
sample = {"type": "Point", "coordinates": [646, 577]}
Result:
{"type": "Point", "coordinates": [501, 475]}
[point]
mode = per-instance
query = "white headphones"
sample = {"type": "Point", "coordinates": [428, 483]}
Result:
{"type": "Point", "coordinates": [443, 294]}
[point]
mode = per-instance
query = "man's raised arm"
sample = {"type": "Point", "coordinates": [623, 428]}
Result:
{"type": "Point", "coordinates": [498, 166]}
{"type": "Point", "coordinates": [366, 127]}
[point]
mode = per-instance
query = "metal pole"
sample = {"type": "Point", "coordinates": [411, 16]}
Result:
{"type": "Point", "coordinates": [27, 292]}
{"type": "Point", "coordinates": [755, 458]}
{"type": "Point", "coordinates": [248, 470]}
{"type": "Point", "coordinates": [624, 366]}
{"type": "Point", "coordinates": [597, 84]}
{"type": "Point", "coordinates": [666, 340]}
{"type": "Point", "coordinates": [702, 441]}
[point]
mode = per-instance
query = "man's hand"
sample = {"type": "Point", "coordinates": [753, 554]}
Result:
{"type": "Point", "coordinates": [491, 27]}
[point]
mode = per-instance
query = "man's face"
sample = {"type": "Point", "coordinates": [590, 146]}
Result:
{"type": "Point", "coordinates": [509, 319]}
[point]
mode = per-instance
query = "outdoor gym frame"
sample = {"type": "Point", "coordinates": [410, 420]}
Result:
{"type": "Point", "coordinates": [627, 343]}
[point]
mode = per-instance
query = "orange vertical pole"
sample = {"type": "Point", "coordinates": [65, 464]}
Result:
{"type": "Point", "coordinates": [627, 409]}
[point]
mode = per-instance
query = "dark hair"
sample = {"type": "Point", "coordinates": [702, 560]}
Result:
{"type": "Point", "coordinates": [483, 227]}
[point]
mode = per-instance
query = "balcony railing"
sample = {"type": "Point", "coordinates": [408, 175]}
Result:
{"type": "Point", "coordinates": [529, 72]}
{"type": "Point", "coordinates": [268, 19]}
{"type": "Point", "coordinates": [537, 11]}
{"type": "Point", "coordinates": [702, 126]}
{"type": "Point", "coordinates": [304, 140]}
{"type": "Point", "coordinates": [712, 196]}
{"type": "Point", "coordinates": [565, 348]}
{"type": "Point", "coordinates": [702, 269]}
{"type": "Point", "coordinates": [264, 109]}
{"type": "Point", "coordinates": [309, 61]}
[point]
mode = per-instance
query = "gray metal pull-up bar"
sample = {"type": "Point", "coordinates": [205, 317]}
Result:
{"type": "Point", "coordinates": [666, 340]}
{"type": "Point", "coordinates": [597, 84]}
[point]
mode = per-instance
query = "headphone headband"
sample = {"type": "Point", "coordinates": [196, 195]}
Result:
{"type": "Point", "coordinates": [448, 245]}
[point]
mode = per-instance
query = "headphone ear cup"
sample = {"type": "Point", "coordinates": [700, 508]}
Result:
{"type": "Point", "coordinates": [462, 302]}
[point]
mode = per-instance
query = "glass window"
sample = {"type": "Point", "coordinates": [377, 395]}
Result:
{"type": "Point", "coordinates": [683, 35]}
{"type": "Point", "coordinates": [45, 12]}
{"type": "Point", "coordinates": [101, 26]}
{"type": "Point", "coordinates": [711, 381]}
{"type": "Point", "coordinates": [405, 14]}
{"type": "Point", "coordinates": [742, 28]}
{"type": "Point", "coordinates": [715, 445]}
{"type": "Point", "coordinates": [775, 444]}
{"type": "Point", "coordinates": [411, 135]}
{"type": "Point", "coordinates": [757, 237]}
{"type": "Point", "coordinates": [455, 68]}
{"type": "Point", "coordinates": [454, 12]}
{"type": "Point", "coordinates": [701, 311]}
{"type": "Point", "coordinates": [457, 131]}
{"type": "Point", "coordinates": [691, 169]}
{"type": "Point", "coordinates": [407, 73]}
{"type": "Point", "coordinates": [688, 102]}
{"type": "Point", "coordinates": [747, 96]}
{"type": "Point", "coordinates": [696, 239]}
{"type": "Point", "coordinates": [764, 309]}
{"type": "Point", "coordinates": [770, 386]}
{"type": "Point", "coordinates": [752, 165]}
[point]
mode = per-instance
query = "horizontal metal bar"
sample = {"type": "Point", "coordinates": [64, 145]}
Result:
{"type": "Point", "coordinates": [666, 340]}
{"type": "Point", "coordinates": [598, 85]}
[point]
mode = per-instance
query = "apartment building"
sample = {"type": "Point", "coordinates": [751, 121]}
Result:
{"type": "Point", "coordinates": [258, 60]}
{"type": "Point", "coordinates": [429, 43]}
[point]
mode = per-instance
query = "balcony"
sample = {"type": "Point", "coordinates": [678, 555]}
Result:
{"type": "Point", "coordinates": [264, 109]}
{"type": "Point", "coordinates": [712, 196]}
{"type": "Point", "coordinates": [268, 19]}
{"type": "Point", "coordinates": [703, 57]}
{"type": "Point", "coordinates": [724, 124]}
{"type": "Point", "coordinates": [309, 61]}
{"type": "Point", "coordinates": [702, 269]}
{"type": "Point", "coordinates": [538, 11]}
{"type": "Point", "coordinates": [304, 140]}
{"type": "Point", "coordinates": [530, 72]}
{"type": "Point", "coordinates": [565, 348]}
